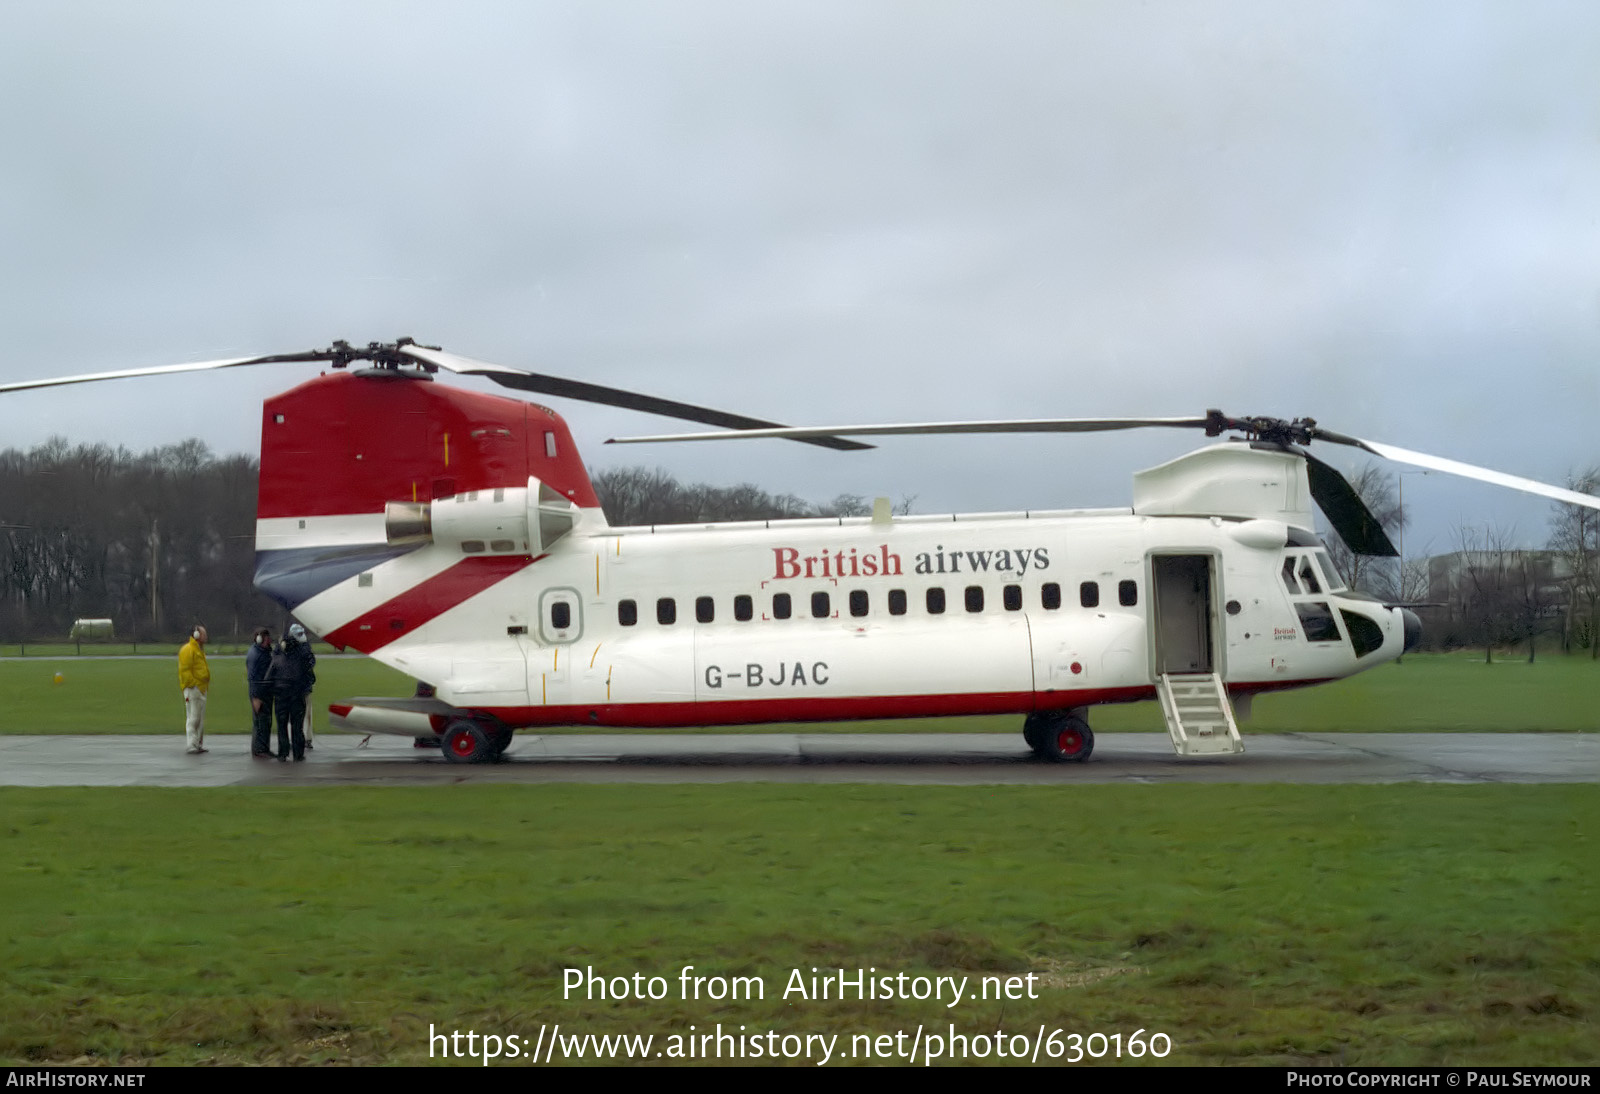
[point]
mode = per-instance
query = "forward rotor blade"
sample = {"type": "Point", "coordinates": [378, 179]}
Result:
{"type": "Point", "coordinates": [611, 396]}
{"type": "Point", "coordinates": [1482, 474]}
{"type": "Point", "coordinates": [1023, 425]}
{"type": "Point", "coordinates": [1361, 531]}
{"type": "Point", "coordinates": [164, 370]}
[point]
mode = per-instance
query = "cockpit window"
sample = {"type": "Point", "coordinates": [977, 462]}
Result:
{"type": "Point", "coordinates": [1288, 577]}
{"type": "Point", "coordinates": [1335, 580]}
{"type": "Point", "coordinates": [1317, 621]}
{"type": "Point", "coordinates": [1308, 575]}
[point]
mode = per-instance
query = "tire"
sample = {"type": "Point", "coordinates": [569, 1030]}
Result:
{"type": "Point", "coordinates": [1034, 730]}
{"type": "Point", "coordinates": [1069, 740]}
{"type": "Point", "coordinates": [465, 743]}
{"type": "Point", "coordinates": [499, 740]}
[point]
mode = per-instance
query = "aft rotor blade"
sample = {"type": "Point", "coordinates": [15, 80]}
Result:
{"type": "Point", "coordinates": [164, 370]}
{"type": "Point", "coordinates": [1021, 425]}
{"type": "Point", "coordinates": [1482, 474]}
{"type": "Point", "coordinates": [1361, 531]}
{"type": "Point", "coordinates": [610, 396]}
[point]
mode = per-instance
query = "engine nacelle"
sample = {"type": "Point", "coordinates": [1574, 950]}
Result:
{"type": "Point", "coordinates": [503, 520]}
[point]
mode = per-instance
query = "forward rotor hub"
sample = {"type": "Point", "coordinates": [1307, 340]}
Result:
{"type": "Point", "coordinates": [1272, 430]}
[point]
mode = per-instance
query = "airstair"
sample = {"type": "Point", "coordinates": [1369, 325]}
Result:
{"type": "Point", "coordinates": [1199, 716]}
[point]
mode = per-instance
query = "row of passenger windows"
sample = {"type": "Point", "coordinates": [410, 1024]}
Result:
{"type": "Point", "coordinates": [860, 603]}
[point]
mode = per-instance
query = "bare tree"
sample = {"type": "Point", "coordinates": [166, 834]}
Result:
{"type": "Point", "coordinates": [1491, 588]}
{"type": "Point", "coordinates": [846, 505]}
{"type": "Point", "coordinates": [1575, 543]}
{"type": "Point", "coordinates": [1377, 489]}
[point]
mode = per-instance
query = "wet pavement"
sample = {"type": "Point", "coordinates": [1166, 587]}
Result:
{"type": "Point", "coordinates": [943, 758]}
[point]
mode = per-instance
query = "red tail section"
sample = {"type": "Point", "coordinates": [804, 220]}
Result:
{"type": "Point", "coordinates": [348, 443]}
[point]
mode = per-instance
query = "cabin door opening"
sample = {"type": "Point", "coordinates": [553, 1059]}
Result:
{"type": "Point", "coordinates": [1182, 610]}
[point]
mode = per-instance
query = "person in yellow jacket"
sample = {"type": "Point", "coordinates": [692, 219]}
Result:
{"type": "Point", "coordinates": [194, 677]}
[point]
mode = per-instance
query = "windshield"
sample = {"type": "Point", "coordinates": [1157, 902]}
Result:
{"type": "Point", "coordinates": [1336, 584]}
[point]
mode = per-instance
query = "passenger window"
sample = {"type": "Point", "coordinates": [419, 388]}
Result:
{"type": "Point", "coordinates": [974, 598]}
{"type": "Point", "coordinates": [897, 602]}
{"type": "Point", "coordinates": [858, 602]}
{"type": "Point", "coordinates": [1127, 593]}
{"type": "Point", "coordinates": [935, 601]}
{"type": "Point", "coordinates": [1089, 594]}
{"type": "Point", "coordinates": [705, 609]}
{"type": "Point", "coordinates": [743, 608]}
{"type": "Point", "coordinates": [1050, 596]}
{"type": "Point", "coordinates": [1013, 598]}
{"type": "Point", "coordinates": [1288, 577]}
{"type": "Point", "coordinates": [781, 607]}
{"type": "Point", "coordinates": [627, 612]}
{"type": "Point", "coordinates": [666, 611]}
{"type": "Point", "coordinates": [819, 606]}
{"type": "Point", "coordinates": [560, 615]}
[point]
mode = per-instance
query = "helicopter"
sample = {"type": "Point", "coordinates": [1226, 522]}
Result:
{"type": "Point", "coordinates": [456, 536]}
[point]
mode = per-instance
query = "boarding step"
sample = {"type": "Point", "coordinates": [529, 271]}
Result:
{"type": "Point", "coordinates": [1199, 716]}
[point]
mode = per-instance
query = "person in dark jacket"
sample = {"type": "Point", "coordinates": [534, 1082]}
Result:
{"type": "Point", "coordinates": [287, 678]}
{"type": "Point", "coordinates": [308, 663]}
{"type": "Point", "coordinates": [256, 663]}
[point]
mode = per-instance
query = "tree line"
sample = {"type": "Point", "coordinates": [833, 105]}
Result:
{"type": "Point", "coordinates": [157, 541]}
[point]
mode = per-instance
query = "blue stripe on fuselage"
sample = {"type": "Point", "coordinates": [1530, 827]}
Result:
{"type": "Point", "coordinates": [296, 574]}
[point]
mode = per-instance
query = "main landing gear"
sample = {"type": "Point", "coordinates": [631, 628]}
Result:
{"type": "Point", "coordinates": [1059, 736]}
{"type": "Point", "coordinates": [466, 742]}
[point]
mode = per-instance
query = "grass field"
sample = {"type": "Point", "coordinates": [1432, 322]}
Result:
{"type": "Point", "coordinates": [142, 695]}
{"type": "Point", "coordinates": [1252, 924]}
{"type": "Point", "coordinates": [214, 648]}
{"type": "Point", "coordinates": [1437, 692]}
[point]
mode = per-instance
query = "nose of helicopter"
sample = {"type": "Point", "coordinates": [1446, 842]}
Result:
{"type": "Point", "coordinates": [1413, 629]}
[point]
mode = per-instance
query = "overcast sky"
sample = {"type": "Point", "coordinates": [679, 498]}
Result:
{"type": "Point", "coordinates": [1384, 216]}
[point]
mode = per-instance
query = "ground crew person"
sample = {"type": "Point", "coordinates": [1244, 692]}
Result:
{"type": "Point", "coordinates": [194, 677]}
{"type": "Point", "coordinates": [286, 676]}
{"type": "Point", "coordinates": [308, 663]}
{"type": "Point", "coordinates": [255, 674]}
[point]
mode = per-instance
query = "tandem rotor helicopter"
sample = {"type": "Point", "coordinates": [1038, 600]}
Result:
{"type": "Point", "coordinates": [456, 537]}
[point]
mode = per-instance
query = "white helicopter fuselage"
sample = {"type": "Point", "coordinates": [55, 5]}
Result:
{"type": "Point", "coordinates": [819, 620]}
{"type": "Point", "coordinates": [813, 620]}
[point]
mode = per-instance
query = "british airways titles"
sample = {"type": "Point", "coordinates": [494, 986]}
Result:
{"type": "Point", "coordinates": [789, 563]}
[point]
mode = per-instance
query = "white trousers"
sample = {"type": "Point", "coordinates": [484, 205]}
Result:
{"type": "Point", "coordinates": [194, 717]}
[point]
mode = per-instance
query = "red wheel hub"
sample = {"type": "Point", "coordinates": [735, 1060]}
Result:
{"type": "Point", "coordinates": [1069, 741]}
{"type": "Point", "coordinates": [461, 743]}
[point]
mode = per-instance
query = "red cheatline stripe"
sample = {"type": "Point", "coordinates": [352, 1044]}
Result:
{"type": "Point", "coordinates": [756, 711]}
{"type": "Point", "coordinates": [421, 603]}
